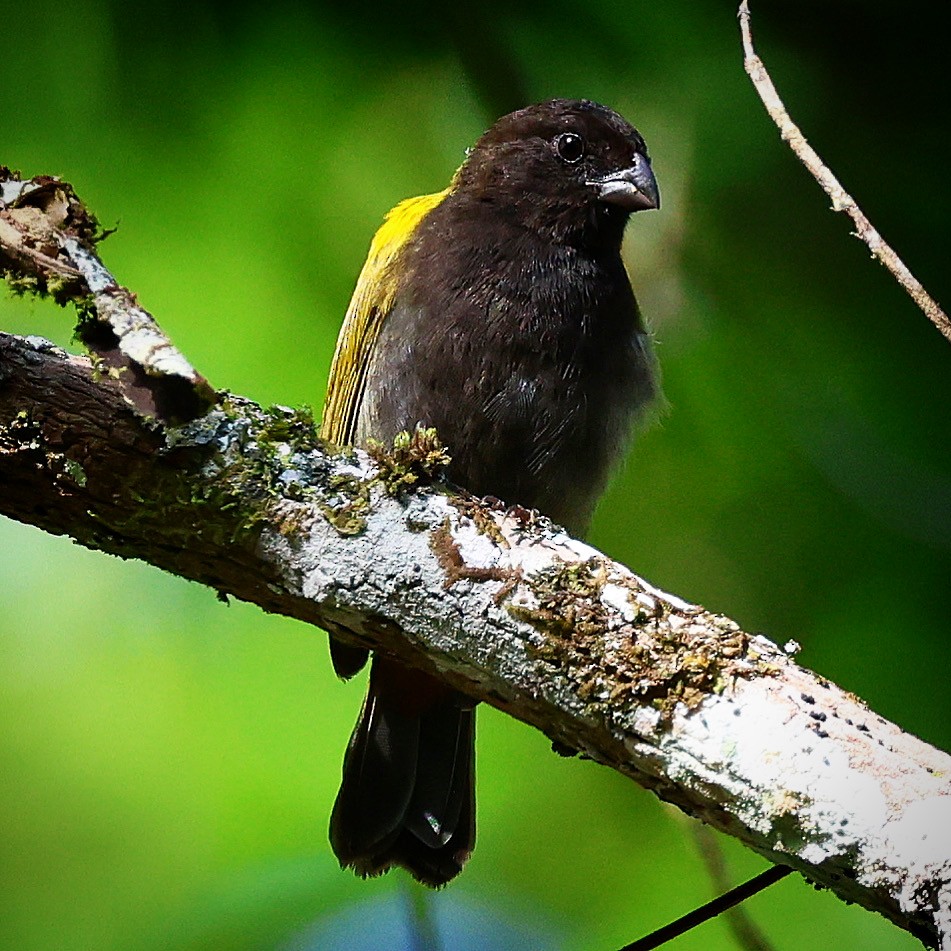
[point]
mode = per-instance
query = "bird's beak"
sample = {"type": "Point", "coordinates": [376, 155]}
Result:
{"type": "Point", "coordinates": [633, 188]}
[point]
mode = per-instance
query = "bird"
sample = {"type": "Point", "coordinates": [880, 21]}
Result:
{"type": "Point", "coordinates": [498, 312]}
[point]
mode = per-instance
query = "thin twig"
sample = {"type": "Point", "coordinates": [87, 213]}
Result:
{"type": "Point", "coordinates": [746, 932]}
{"type": "Point", "coordinates": [841, 199]}
{"type": "Point", "coordinates": [710, 910]}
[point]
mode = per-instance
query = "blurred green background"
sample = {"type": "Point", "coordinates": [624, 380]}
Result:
{"type": "Point", "coordinates": [167, 764]}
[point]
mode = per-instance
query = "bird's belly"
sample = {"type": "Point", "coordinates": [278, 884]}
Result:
{"type": "Point", "coordinates": [522, 424]}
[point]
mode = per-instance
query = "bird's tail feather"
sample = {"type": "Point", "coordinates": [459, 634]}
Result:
{"type": "Point", "coordinates": [408, 793]}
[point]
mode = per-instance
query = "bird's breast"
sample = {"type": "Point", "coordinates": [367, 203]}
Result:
{"type": "Point", "coordinates": [531, 367]}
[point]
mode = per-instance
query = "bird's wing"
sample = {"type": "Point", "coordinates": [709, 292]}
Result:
{"type": "Point", "coordinates": [371, 302]}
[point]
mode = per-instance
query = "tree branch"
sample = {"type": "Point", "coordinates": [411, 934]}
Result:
{"type": "Point", "coordinates": [505, 607]}
{"type": "Point", "coordinates": [841, 199]}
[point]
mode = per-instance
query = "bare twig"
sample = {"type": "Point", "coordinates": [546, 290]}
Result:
{"type": "Point", "coordinates": [746, 932]}
{"type": "Point", "coordinates": [841, 199]}
{"type": "Point", "coordinates": [710, 910]}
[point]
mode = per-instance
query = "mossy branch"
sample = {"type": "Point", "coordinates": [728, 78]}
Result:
{"type": "Point", "coordinates": [503, 605]}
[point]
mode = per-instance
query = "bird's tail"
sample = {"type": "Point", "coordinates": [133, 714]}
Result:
{"type": "Point", "coordinates": [408, 791]}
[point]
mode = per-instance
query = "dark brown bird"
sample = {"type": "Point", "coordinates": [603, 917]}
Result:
{"type": "Point", "coordinates": [499, 312]}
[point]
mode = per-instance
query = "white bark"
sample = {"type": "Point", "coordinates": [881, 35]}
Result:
{"type": "Point", "coordinates": [759, 747]}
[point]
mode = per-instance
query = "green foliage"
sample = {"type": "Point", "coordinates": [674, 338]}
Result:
{"type": "Point", "coordinates": [167, 764]}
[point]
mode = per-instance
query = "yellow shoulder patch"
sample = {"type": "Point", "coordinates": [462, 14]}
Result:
{"type": "Point", "coordinates": [371, 302]}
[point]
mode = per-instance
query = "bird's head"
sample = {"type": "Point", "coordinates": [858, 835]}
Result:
{"type": "Point", "coordinates": [569, 167]}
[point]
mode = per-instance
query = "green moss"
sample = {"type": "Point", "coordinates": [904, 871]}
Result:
{"type": "Point", "coordinates": [229, 467]}
{"type": "Point", "coordinates": [295, 427]}
{"type": "Point", "coordinates": [87, 317]}
{"type": "Point", "coordinates": [23, 284]}
{"type": "Point", "coordinates": [75, 472]}
{"type": "Point", "coordinates": [24, 435]}
{"type": "Point", "coordinates": [480, 514]}
{"type": "Point", "coordinates": [416, 457]}
{"type": "Point", "coordinates": [60, 289]}
{"type": "Point", "coordinates": [566, 610]}
{"type": "Point", "coordinates": [266, 456]}
{"type": "Point", "coordinates": [349, 517]}
{"type": "Point", "coordinates": [651, 658]}
{"type": "Point", "coordinates": [102, 371]}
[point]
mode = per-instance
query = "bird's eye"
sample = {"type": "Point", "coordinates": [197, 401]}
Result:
{"type": "Point", "coordinates": [570, 147]}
